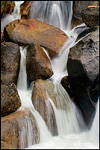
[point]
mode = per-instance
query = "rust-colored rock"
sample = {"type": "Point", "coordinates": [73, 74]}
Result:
{"type": "Point", "coordinates": [2, 37]}
{"type": "Point", "coordinates": [32, 31]}
{"type": "Point", "coordinates": [10, 62]}
{"type": "Point", "coordinates": [25, 9]}
{"type": "Point", "coordinates": [10, 100]}
{"type": "Point", "coordinates": [14, 131]}
{"type": "Point", "coordinates": [42, 89]}
{"type": "Point", "coordinates": [38, 65]}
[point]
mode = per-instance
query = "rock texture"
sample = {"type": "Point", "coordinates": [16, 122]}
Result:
{"type": "Point", "coordinates": [83, 70]}
{"type": "Point", "coordinates": [78, 7]}
{"type": "Point", "coordinates": [14, 126]}
{"type": "Point", "coordinates": [32, 31]}
{"type": "Point", "coordinates": [10, 100]}
{"type": "Point", "coordinates": [38, 65]}
{"type": "Point", "coordinates": [90, 16]}
{"type": "Point", "coordinates": [25, 9]}
{"type": "Point", "coordinates": [42, 89]}
{"type": "Point", "coordinates": [2, 37]}
{"type": "Point", "coordinates": [10, 59]}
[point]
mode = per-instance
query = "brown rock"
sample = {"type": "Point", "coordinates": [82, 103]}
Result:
{"type": "Point", "coordinates": [10, 100]}
{"type": "Point", "coordinates": [78, 7]}
{"type": "Point", "coordinates": [10, 59]}
{"type": "Point", "coordinates": [38, 65]}
{"type": "Point", "coordinates": [2, 37]}
{"type": "Point", "coordinates": [43, 105]}
{"type": "Point", "coordinates": [32, 31]}
{"type": "Point", "coordinates": [25, 9]}
{"type": "Point", "coordinates": [14, 129]}
{"type": "Point", "coordinates": [90, 16]}
{"type": "Point", "coordinates": [6, 146]}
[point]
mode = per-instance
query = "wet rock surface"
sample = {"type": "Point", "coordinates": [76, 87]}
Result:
{"type": "Point", "coordinates": [32, 31]}
{"type": "Point", "coordinates": [14, 126]}
{"type": "Point", "coordinates": [41, 91]}
{"type": "Point", "coordinates": [10, 100]}
{"type": "Point", "coordinates": [10, 62]}
{"type": "Point", "coordinates": [83, 70]}
{"type": "Point", "coordinates": [38, 65]}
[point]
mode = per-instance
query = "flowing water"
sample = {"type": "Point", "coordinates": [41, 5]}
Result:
{"type": "Point", "coordinates": [72, 131]}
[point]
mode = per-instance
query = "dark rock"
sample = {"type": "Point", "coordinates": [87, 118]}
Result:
{"type": "Point", "coordinates": [83, 74]}
{"type": "Point", "coordinates": [78, 7]}
{"type": "Point", "coordinates": [38, 65]}
{"type": "Point", "coordinates": [10, 59]}
{"type": "Point", "coordinates": [14, 130]}
{"type": "Point", "coordinates": [42, 89]}
{"type": "Point", "coordinates": [33, 31]}
{"type": "Point", "coordinates": [10, 100]}
{"type": "Point", "coordinates": [2, 37]}
{"type": "Point", "coordinates": [90, 16]}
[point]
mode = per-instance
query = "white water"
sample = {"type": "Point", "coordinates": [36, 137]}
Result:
{"type": "Point", "coordinates": [11, 17]}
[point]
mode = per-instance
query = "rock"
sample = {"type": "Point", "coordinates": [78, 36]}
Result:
{"type": "Point", "coordinates": [33, 31]}
{"type": "Point", "coordinates": [90, 16]}
{"type": "Point", "coordinates": [6, 146]}
{"type": "Point", "coordinates": [42, 89]}
{"type": "Point", "coordinates": [25, 9]}
{"type": "Point", "coordinates": [83, 71]}
{"type": "Point", "coordinates": [78, 6]}
{"type": "Point", "coordinates": [10, 62]}
{"type": "Point", "coordinates": [10, 100]}
{"type": "Point", "coordinates": [2, 37]}
{"type": "Point", "coordinates": [7, 7]}
{"type": "Point", "coordinates": [14, 130]}
{"type": "Point", "coordinates": [38, 65]}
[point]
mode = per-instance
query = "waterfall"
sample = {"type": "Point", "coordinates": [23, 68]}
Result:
{"type": "Point", "coordinates": [56, 13]}
{"type": "Point", "coordinates": [11, 17]}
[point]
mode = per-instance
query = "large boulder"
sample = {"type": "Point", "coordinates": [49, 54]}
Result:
{"type": "Point", "coordinates": [33, 31]}
{"type": "Point", "coordinates": [10, 100]}
{"type": "Point", "coordinates": [83, 74]}
{"type": "Point", "coordinates": [10, 62]}
{"type": "Point", "coordinates": [90, 16]}
{"type": "Point", "coordinates": [41, 91]}
{"type": "Point", "coordinates": [15, 130]}
{"type": "Point", "coordinates": [38, 65]}
{"type": "Point", "coordinates": [78, 7]}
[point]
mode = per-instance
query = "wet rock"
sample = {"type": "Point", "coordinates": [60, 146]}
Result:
{"type": "Point", "coordinates": [78, 6]}
{"type": "Point", "coordinates": [2, 37]}
{"type": "Point", "coordinates": [83, 70]}
{"type": "Point", "coordinates": [38, 65]}
{"type": "Point", "coordinates": [10, 100]}
{"type": "Point", "coordinates": [7, 7]}
{"type": "Point", "coordinates": [41, 91]}
{"type": "Point", "coordinates": [10, 61]}
{"type": "Point", "coordinates": [14, 129]}
{"type": "Point", "coordinates": [25, 9]}
{"type": "Point", "coordinates": [33, 31]}
{"type": "Point", "coordinates": [90, 16]}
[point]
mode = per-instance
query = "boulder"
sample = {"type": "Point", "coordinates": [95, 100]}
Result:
{"type": "Point", "coordinates": [38, 65]}
{"type": "Point", "coordinates": [33, 31]}
{"type": "Point", "coordinates": [83, 74]}
{"type": "Point", "coordinates": [14, 130]}
{"type": "Point", "coordinates": [90, 16]}
{"type": "Point", "coordinates": [78, 7]}
{"type": "Point", "coordinates": [41, 91]}
{"type": "Point", "coordinates": [10, 100]}
{"type": "Point", "coordinates": [10, 62]}
{"type": "Point", "coordinates": [25, 9]}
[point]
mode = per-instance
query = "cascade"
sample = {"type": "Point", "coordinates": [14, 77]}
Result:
{"type": "Point", "coordinates": [11, 17]}
{"type": "Point", "coordinates": [72, 131]}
